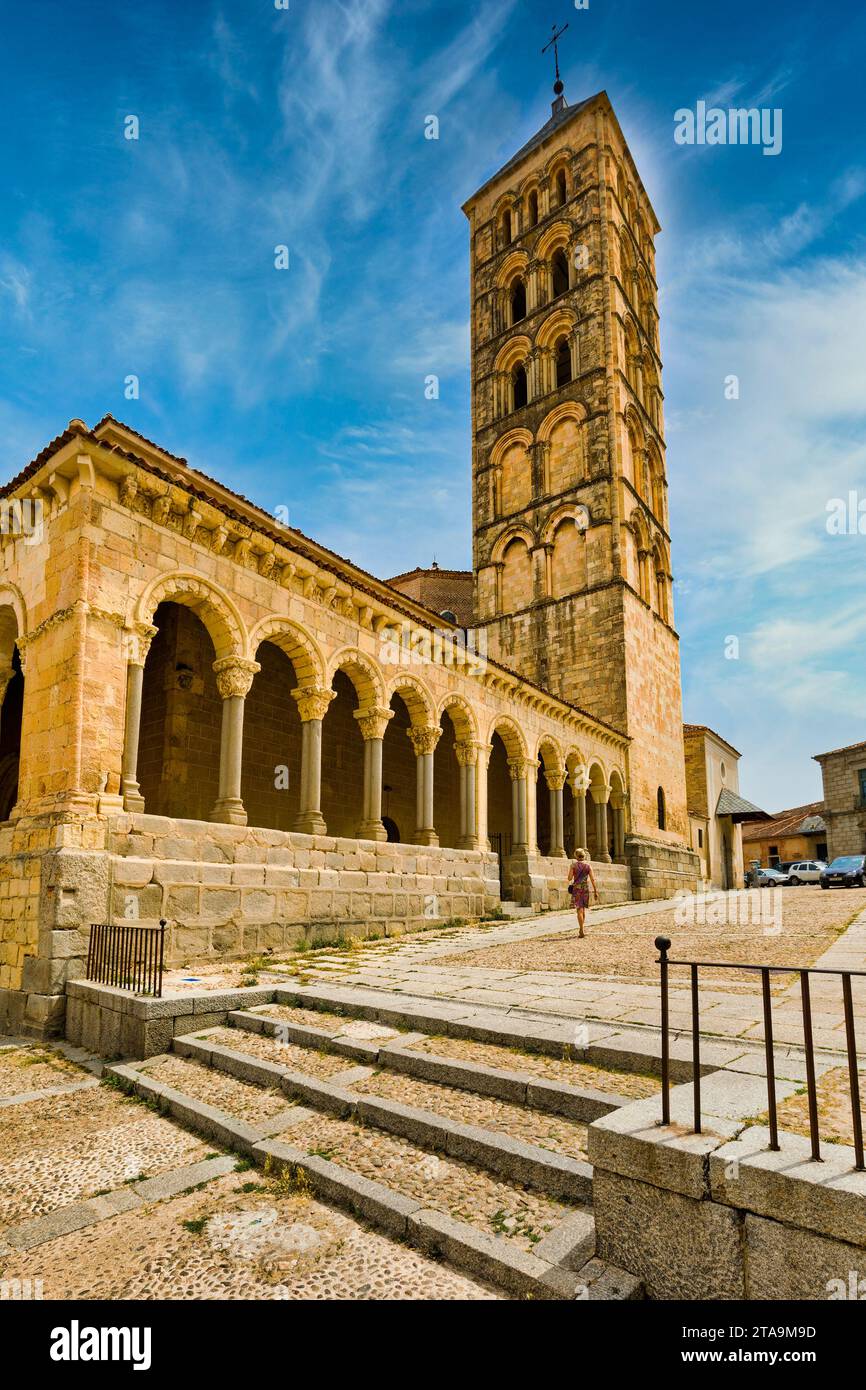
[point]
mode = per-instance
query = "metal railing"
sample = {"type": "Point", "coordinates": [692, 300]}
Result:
{"type": "Point", "coordinates": [663, 945]}
{"type": "Point", "coordinates": [127, 957]}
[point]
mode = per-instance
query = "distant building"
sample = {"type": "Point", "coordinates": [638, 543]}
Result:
{"type": "Point", "coordinates": [844, 810]}
{"type": "Point", "coordinates": [800, 833]}
{"type": "Point", "coordinates": [447, 592]}
{"type": "Point", "coordinates": [716, 809]}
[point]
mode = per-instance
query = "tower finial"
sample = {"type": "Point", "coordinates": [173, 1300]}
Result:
{"type": "Point", "coordinates": [558, 87]}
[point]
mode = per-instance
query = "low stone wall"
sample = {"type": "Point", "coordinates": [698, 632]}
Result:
{"type": "Point", "coordinates": [115, 1023]}
{"type": "Point", "coordinates": [229, 890]}
{"type": "Point", "coordinates": [658, 870]}
{"type": "Point", "coordinates": [542, 881]}
{"type": "Point", "coordinates": [717, 1215]}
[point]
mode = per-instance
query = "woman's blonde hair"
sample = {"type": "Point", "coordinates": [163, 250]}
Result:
{"type": "Point", "coordinates": [580, 854]}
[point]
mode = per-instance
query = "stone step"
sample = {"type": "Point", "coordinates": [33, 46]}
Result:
{"type": "Point", "coordinates": [355, 1093]}
{"type": "Point", "coordinates": [526, 1078]}
{"type": "Point", "coordinates": [527, 1241]}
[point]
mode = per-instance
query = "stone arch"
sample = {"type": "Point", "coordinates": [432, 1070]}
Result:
{"type": "Point", "coordinates": [415, 696]}
{"type": "Point", "coordinates": [567, 558]}
{"type": "Point", "coordinates": [656, 482]}
{"type": "Point", "coordinates": [513, 353]}
{"type": "Point", "coordinates": [461, 714]}
{"type": "Point", "coordinates": [297, 644]}
{"type": "Point", "coordinates": [515, 264]}
{"type": "Point", "coordinates": [211, 604]}
{"type": "Point", "coordinates": [13, 618]}
{"type": "Point", "coordinates": [511, 735]}
{"type": "Point", "coordinates": [13, 630]}
{"type": "Point", "coordinates": [617, 787]}
{"type": "Point", "coordinates": [515, 583]}
{"type": "Point", "coordinates": [364, 674]}
{"type": "Point", "coordinates": [512, 472]}
{"type": "Point", "coordinates": [564, 433]}
{"type": "Point", "coordinates": [518, 532]}
{"type": "Point", "coordinates": [552, 239]}
{"type": "Point", "coordinates": [549, 753]}
{"type": "Point", "coordinates": [562, 321]}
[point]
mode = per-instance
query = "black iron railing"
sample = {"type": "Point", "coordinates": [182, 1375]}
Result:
{"type": "Point", "coordinates": [127, 957]}
{"type": "Point", "coordinates": [663, 945]}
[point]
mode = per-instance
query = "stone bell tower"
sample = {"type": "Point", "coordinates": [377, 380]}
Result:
{"type": "Point", "coordinates": [570, 517]}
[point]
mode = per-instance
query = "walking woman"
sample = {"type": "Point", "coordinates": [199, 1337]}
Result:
{"type": "Point", "coordinates": [580, 876]}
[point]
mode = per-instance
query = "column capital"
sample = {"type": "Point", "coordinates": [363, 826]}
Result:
{"type": "Point", "coordinates": [580, 780]}
{"type": "Point", "coordinates": [313, 701]}
{"type": "Point", "coordinates": [136, 643]}
{"type": "Point", "coordinates": [424, 739]}
{"type": "Point", "coordinates": [467, 753]}
{"type": "Point", "coordinates": [555, 780]}
{"type": "Point", "coordinates": [373, 721]}
{"type": "Point", "coordinates": [234, 676]}
{"type": "Point", "coordinates": [522, 767]}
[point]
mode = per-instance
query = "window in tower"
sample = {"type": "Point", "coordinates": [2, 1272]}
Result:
{"type": "Point", "coordinates": [533, 208]}
{"type": "Point", "coordinates": [563, 362]}
{"type": "Point", "coordinates": [518, 300]}
{"type": "Point", "coordinates": [561, 188]}
{"type": "Point", "coordinates": [660, 803]}
{"type": "Point", "coordinates": [559, 268]}
{"type": "Point", "coordinates": [520, 388]}
{"type": "Point", "coordinates": [505, 234]}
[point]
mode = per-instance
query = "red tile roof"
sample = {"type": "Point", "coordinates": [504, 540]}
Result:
{"type": "Point", "coordinates": [784, 823]}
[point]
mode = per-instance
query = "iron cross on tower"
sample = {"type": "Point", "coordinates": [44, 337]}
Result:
{"type": "Point", "coordinates": [554, 44]}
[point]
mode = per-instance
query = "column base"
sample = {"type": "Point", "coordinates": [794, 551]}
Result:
{"type": "Point", "coordinates": [605, 858]}
{"type": "Point", "coordinates": [557, 853]}
{"type": "Point", "coordinates": [310, 823]}
{"type": "Point", "coordinates": [467, 842]}
{"type": "Point", "coordinates": [371, 830]}
{"type": "Point", "coordinates": [132, 797]}
{"type": "Point", "coordinates": [426, 837]}
{"type": "Point", "coordinates": [229, 810]}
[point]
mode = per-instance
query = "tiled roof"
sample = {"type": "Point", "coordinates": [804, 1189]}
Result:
{"type": "Point", "coordinates": [849, 748]}
{"type": "Point", "coordinates": [731, 804]}
{"type": "Point", "coordinates": [705, 729]}
{"type": "Point", "coordinates": [559, 118]}
{"type": "Point", "coordinates": [792, 822]}
{"type": "Point", "coordinates": [445, 591]}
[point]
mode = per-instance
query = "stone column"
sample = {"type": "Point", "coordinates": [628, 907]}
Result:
{"type": "Point", "coordinates": [483, 762]}
{"type": "Point", "coordinates": [468, 758]}
{"type": "Point", "coordinates": [520, 832]}
{"type": "Point", "coordinates": [234, 677]}
{"type": "Point", "coordinates": [618, 812]}
{"type": "Point", "coordinates": [601, 825]}
{"type": "Point", "coordinates": [555, 783]}
{"type": "Point", "coordinates": [424, 741]}
{"type": "Point", "coordinates": [312, 702]}
{"type": "Point", "coordinates": [579, 785]}
{"type": "Point", "coordinates": [372, 722]}
{"type": "Point", "coordinates": [137, 645]}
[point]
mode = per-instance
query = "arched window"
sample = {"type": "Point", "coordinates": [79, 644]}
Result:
{"type": "Point", "coordinates": [559, 269]}
{"type": "Point", "coordinates": [505, 236]}
{"type": "Point", "coordinates": [660, 802]}
{"type": "Point", "coordinates": [561, 188]}
{"type": "Point", "coordinates": [520, 388]}
{"type": "Point", "coordinates": [563, 362]}
{"type": "Point", "coordinates": [518, 300]}
{"type": "Point", "coordinates": [532, 208]}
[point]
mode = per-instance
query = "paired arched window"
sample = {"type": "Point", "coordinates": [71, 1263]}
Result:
{"type": "Point", "coordinates": [532, 208]}
{"type": "Point", "coordinates": [518, 300]}
{"type": "Point", "coordinates": [506, 235]}
{"type": "Point", "coordinates": [520, 389]}
{"type": "Point", "coordinates": [559, 272]}
{"type": "Point", "coordinates": [660, 804]}
{"type": "Point", "coordinates": [563, 362]}
{"type": "Point", "coordinates": [561, 188]}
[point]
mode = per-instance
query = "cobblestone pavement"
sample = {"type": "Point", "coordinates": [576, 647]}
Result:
{"type": "Point", "coordinates": [34, 1068]}
{"type": "Point", "coordinates": [445, 1184]}
{"type": "Point", "coordinates": [240, 1238]}
{"type": "Point", "coordinates": [305, 1059]}
{"type": "Point", "coordinates": [581, 1074]}
{"type": "Point", "coordinates": [80, 1180]}
{"type": "Point", "coordinates": [252, 1104]}
{"type": "Point", "coordinates": [834, 1108]}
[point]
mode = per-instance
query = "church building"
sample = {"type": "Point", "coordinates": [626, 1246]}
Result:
{"type": "Point", "coordinates": [210, 718]}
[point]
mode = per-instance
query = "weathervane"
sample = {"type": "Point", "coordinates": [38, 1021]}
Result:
{"type": "Point", "coordinates": [554, 44]}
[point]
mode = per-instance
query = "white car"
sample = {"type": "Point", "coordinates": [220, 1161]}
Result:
{"type": "Point", "coordinates": [807, 871]}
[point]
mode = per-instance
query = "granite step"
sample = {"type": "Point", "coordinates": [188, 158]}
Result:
{"type": "Point", "coordinates": [432, 1194]}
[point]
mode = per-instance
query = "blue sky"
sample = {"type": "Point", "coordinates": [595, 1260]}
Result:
{"type": "Point", "coordinates": [305, 388]}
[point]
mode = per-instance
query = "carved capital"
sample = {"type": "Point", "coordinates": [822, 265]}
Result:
{"type": "Point", "coordinates": [522, 767]}
{"type": "Point", "coordinates": [424, 740]}
{"type": "Point", "coordinates": [234, 676]}
{"type": "Point", "coordinates": [467, 753]}
{"type": "Point", "coordinates": [136, 643]}
{"type": "Point", "coordinates": [555, 780]}
{"type": "Point", "coordinates": [313, 701]}
{"type": "Point", "coordinates": [373, 721]}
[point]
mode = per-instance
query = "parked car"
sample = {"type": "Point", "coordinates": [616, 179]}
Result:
{"type": "Point", "coordinates": [768, 878]}
{"type": "Point", "coordinates": [807, 871]}
{"type": "Point", "coordinates": [847, 871]}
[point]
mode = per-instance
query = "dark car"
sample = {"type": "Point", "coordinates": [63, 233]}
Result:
{"type": "Point", "coordinates": [848, 871]}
